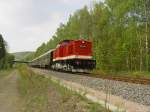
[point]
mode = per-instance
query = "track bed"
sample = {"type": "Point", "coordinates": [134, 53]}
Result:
{"type": "Point", "coordinates": [133, 92]}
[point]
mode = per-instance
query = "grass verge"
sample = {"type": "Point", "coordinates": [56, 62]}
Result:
{"type": "Point", "coordinates": [33, 90]}
{"type": "Point", "coordinates": [133, 74]}
{"type": "Point", "coordinates": [40, 94]}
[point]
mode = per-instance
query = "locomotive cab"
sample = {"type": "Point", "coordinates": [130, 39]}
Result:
{"type": "Point", "coordinates": [74, 56]}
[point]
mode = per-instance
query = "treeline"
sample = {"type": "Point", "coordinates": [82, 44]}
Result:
{"type": "Point", "coordinates": [119, 30]}
{"type": "Point", "coordinates": [5, 58]}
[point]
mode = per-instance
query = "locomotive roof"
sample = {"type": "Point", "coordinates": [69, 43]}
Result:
{"type": "Point", "coordinates": [65, 41]}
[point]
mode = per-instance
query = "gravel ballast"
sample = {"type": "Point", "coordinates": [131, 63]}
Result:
{"type": "Point", "coordinates": [129, 91]}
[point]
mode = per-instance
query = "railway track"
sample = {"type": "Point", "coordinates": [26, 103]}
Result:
{"type": "Point", "coordinates": [144, 81]}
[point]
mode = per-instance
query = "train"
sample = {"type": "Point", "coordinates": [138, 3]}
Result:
{"type": "Point", "coordinates": [69, 55]}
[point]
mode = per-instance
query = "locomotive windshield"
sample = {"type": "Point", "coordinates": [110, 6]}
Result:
{"type": "Point", "coordinates": [64, 42]}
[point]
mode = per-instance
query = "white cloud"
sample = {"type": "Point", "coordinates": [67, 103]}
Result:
{"type": "Point", "coordinates": [25, 24]}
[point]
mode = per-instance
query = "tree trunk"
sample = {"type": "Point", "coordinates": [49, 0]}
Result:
{"type": "Point", "coordinates": [141, 56]}
{"type": "Point", "coordinates": [146, 36]}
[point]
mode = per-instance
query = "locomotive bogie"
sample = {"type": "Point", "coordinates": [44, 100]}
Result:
{"type": "Point", "coordinates": [74, 65]}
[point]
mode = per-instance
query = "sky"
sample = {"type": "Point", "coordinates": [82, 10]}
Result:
{"type": "Point", "coordinates": [26, 24]}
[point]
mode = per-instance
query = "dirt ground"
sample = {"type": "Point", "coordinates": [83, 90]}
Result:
{"type": "Point", "coordinates": [57, 100]}
{"type": "Point", "coordinates": [9, 97]}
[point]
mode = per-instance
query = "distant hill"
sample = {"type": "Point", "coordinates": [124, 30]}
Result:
{"type": "Point", "coordinates": [22, 55]}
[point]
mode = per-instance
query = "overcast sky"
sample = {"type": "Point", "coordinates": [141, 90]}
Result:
{"type": "Point", "coordinates": [26, 24]}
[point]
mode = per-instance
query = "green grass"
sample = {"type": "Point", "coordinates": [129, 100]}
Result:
{"type": "Point", "coordinates": [139, 74]}
{"type": "Point", "coordinates": [34, 88]}
{"type": "Point", "coordinates": [133, 74]}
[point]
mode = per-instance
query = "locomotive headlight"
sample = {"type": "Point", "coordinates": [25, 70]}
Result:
{"type": "Point", "coordinates": [83, 42]}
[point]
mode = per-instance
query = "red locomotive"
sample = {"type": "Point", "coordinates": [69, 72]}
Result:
{"type": "Point", "coordinates": [69, 55]}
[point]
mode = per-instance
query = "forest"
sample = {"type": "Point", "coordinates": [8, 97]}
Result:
{"type": "Point", "coordinates": [118, 29]}
{"type": "Point", "coordinates": [5, 58]}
